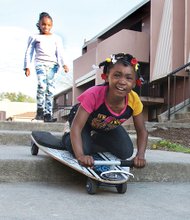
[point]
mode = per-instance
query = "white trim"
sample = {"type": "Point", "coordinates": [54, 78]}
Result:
{"type": "Point", "coordinates": [85, 78]}
{"type": "Point", "coordinates": [188, 67]}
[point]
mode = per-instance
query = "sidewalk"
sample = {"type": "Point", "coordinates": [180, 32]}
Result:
{"type": "Point", "coordinates": [142, 201]}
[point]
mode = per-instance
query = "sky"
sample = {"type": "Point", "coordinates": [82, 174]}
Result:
{"type": "Point", "coordinates": [73, 20]}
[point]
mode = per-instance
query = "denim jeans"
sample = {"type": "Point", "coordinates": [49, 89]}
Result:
{"type": "Point", "coordinates": [115, 141]}
{"type": "Point", "coordinates": [46, 86]}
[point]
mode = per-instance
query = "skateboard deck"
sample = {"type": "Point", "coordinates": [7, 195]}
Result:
{"type": "Point", "coordinates": [107, 170]}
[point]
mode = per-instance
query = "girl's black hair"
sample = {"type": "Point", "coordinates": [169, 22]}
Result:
{"type": "Point", "coordinates": [42, 15]}
{"type": "Point", "coordinates": [122, 58]}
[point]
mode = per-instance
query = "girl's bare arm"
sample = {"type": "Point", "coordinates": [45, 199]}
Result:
{"type": "Point", "coordinates": [142, 136]}
{"type": "Point", "coordinates": [78, 123]}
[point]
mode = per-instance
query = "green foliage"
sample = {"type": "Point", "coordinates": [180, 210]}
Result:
{"type": "Point", "coordinates": [168, 145]}
{"type": "Point", "coordinates": [16, 97]}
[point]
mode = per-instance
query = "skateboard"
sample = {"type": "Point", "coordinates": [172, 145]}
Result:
{"type": "Point", "coordinates": [108, 170]}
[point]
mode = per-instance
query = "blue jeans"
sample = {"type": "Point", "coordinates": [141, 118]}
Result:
{"type": "Point", "coordinates": [115, 141]}
{"type": "Point", "coordinates": [46, 86]}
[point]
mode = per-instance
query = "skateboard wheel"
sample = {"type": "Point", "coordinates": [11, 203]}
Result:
{"type": "Point", "coordinates": [91, 186]}
{"type": "Point", "coordinates": [34, 149]}
{"type": "Point", "coordinates": [122, 188]}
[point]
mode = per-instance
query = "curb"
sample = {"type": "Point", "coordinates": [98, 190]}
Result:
{"type": "Point", "coordinates": [18, 165]}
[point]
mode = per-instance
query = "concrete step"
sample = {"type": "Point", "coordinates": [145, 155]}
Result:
{"type": "Point", "coordinates": [184, 115]}
{"type": "Point", "coordinates": [169, 124]}
{"type": "Point", "coordinates": [60, 127]}
{"type": "Point", "coordinates": [18, 165]}
{"type": "Point", "coordinates": [182, 120]}
{"type": "Point", "coordinates": [19, 137]}
{"type": "Point", "coordinates": [8, 137]}
{"type": "Point", "coordinates": [18, 133]}
{"type": "Point", "coordinates": [30, 126]}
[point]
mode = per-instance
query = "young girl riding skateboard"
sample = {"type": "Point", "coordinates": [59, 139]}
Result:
{"type": "Point", "coordinates": [97, 124]}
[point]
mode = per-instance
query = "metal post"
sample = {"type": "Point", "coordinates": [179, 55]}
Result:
{"type": "Point", "coordinates": [184, 89]}
{"type": "Point", "coordinates": [174, 93]}
{"type": "Point", "coordinates": [189, 84]}
{"type": "Point", "coordinates": [169, 97]}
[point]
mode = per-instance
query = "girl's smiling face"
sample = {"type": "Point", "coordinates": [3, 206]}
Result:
{"type": "Point", "coordinates": [45, 25]}
{"type": "Point", "coordinates": [121, 80]}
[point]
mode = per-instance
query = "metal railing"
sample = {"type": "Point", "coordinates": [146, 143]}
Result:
{"type": "Point", "coordinates": [172, 78]}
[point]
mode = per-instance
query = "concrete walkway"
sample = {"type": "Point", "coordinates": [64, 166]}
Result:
{"type": "Point", "coordinates": [69, 201]}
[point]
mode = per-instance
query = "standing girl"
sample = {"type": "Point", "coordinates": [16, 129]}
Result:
{"type": "Point", "coordinates": [102, 110]}
{"type": "Point", "coordinates": [48, 58]}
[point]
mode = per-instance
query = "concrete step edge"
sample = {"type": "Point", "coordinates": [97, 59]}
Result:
{"type": "Point", "coordinates": [18, 165]}
{"type": "Point", "coordinates": [49, 170]}
{"type": "Point", "coordinates": [30, 126]}
{"type": "Point", "coordinates": [24, 138]}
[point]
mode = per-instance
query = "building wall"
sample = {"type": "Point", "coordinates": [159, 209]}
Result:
{"type": "Point", "coordinates": [178, 33]}
{"type": "Point", "coordinates": [127, 41]}
{"type": "Point", "coordinates": [62, 105]}
{"type": "Point", "coordinates": [187, 32]}
{"type": "Point", "coordinates": [83, 64]}
{"type": "Point", "coordinates": [90, 46]}
{"type": "Point", "coordinates": [63, 99]}
{"type": "Point", "coordinates": [15, 108]}
{"type": "Point", "coordinates": [133, 42]}
{"type": "Point", "coordinates": [167, 37]}
{"type": "Point", "coordinates": [155, 23]}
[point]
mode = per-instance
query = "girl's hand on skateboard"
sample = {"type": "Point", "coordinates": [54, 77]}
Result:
{"type": "Point", "coordinates": [139, 162]}
{"type": "Point", "coordinates": [86, 160]}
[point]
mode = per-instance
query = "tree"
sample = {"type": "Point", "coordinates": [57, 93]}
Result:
{"type": "Point", "coordinates": [16, 97]}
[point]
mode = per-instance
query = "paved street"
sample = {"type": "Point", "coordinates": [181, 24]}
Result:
{"type": "Point", "coordinates": [144, 201]}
